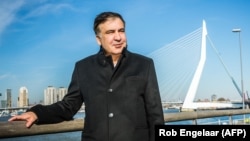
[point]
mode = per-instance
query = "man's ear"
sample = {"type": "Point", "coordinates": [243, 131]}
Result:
{"type": "Point", "coordinates": [98, 40]}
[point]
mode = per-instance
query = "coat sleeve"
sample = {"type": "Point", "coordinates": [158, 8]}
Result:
{"type": "Point", "coordinates": [64, 109]}
{"type": "Point", "coordinates": [153, 101]}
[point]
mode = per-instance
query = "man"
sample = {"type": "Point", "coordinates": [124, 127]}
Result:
{"type": "Point", "coordinates": [119, 89]}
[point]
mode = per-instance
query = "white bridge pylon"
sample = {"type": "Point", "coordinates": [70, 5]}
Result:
{"type": "Point", "coordinates": [189, 104]}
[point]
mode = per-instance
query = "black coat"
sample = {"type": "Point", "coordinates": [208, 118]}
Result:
{"type": "Point", "coordinates": [122, 103]}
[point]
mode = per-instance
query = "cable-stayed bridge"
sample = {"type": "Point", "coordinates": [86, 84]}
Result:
{"type": "Point", "coordinates": [179, 67]}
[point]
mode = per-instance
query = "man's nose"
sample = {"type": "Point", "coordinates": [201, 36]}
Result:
{"type": "Point", "coordinates": [117, 36]}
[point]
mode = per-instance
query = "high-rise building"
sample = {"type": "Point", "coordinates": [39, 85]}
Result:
{"type": "Point", "coordinates": [9, 101]}
{"type": "Point", "coordinates": [52, 94]}
{"type": "Point", "coordinates": [3, 103]}
{"type": "Point", "coordinates": [49, 95]}
{"type": "Point", "coordinates": [23, 100]}
{"type": "Point", "coordinates": [61, 93]}
{"type": "Point", "coordinates": [213, 97]}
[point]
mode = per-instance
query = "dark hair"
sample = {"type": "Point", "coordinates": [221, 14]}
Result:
{"type": "Point", "coordinates": [103, 17]}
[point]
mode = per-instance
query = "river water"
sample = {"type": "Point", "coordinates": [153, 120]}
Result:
{"type": "Point", "coordinates": [76, 136]}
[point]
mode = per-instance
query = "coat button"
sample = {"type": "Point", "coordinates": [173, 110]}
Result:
{"type": "Point", "coordinates": [111, 115]}
{"type": "Point", "coordinates": [110, 90]}
{"type": "Point", "coordinates": [104, 62]}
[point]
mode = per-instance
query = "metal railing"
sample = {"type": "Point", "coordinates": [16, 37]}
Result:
{"type": "Point", "coordinates": [18, 129]}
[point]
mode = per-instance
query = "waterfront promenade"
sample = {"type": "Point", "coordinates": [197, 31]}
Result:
{"type": "Point", "coordinates": [17, 129]}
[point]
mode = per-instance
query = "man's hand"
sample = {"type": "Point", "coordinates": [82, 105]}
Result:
{"type": "Point", "coordinates": [29, 117]}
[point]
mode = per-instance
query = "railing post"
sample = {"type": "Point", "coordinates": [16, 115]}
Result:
{"type": "Point", "coordinates": [230, 120]}
{"type": "Point", "coordinates": [195, 122]}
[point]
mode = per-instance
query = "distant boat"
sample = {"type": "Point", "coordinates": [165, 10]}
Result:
{"type": "Point", "coordinates": [4, 113]}
{"type": "Point", "coordinates": [174, 107]}
{"type": "Point", "coordinates": [13, 113]}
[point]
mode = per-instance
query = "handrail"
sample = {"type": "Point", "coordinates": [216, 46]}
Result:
{"type": "Point", "coordinates": [193, 115]}
{"type": "Point", "coordinates": [18, 129]}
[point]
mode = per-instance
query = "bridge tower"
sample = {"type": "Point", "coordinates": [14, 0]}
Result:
{"type": "Point", "coordinates": [188, 104]}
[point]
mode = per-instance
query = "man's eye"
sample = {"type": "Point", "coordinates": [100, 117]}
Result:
{"type": "Point", "coordinates": [122, 30]}
{"type": "Point", "coordinates": [109, 32]}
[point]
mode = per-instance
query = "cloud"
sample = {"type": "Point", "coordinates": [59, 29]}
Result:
{"type": "Point", "coordinates": [4, 76]}
{"type": "Point", "coordinates": [8, 10]}
{"type": "Point", "coordinates": [7, 76]}
{"type": "Point", "coordinates": [48, 9]}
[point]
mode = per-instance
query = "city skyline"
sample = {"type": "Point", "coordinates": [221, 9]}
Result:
{"type": "Point", "coordinates": [54, 94]}
{"type": "Point", "coordinates": [40, 41]}
{"type": "Point", "coordinates": [51, 95]}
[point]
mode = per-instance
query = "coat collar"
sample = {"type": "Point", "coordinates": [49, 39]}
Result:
{"type": "Point", "coordinates": [102, 51]}
{"type": "Point", "coordinates": [103, 60]}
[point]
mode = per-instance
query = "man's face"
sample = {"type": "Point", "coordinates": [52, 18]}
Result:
{"type": "Point", "coordinates": [112, 36]}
